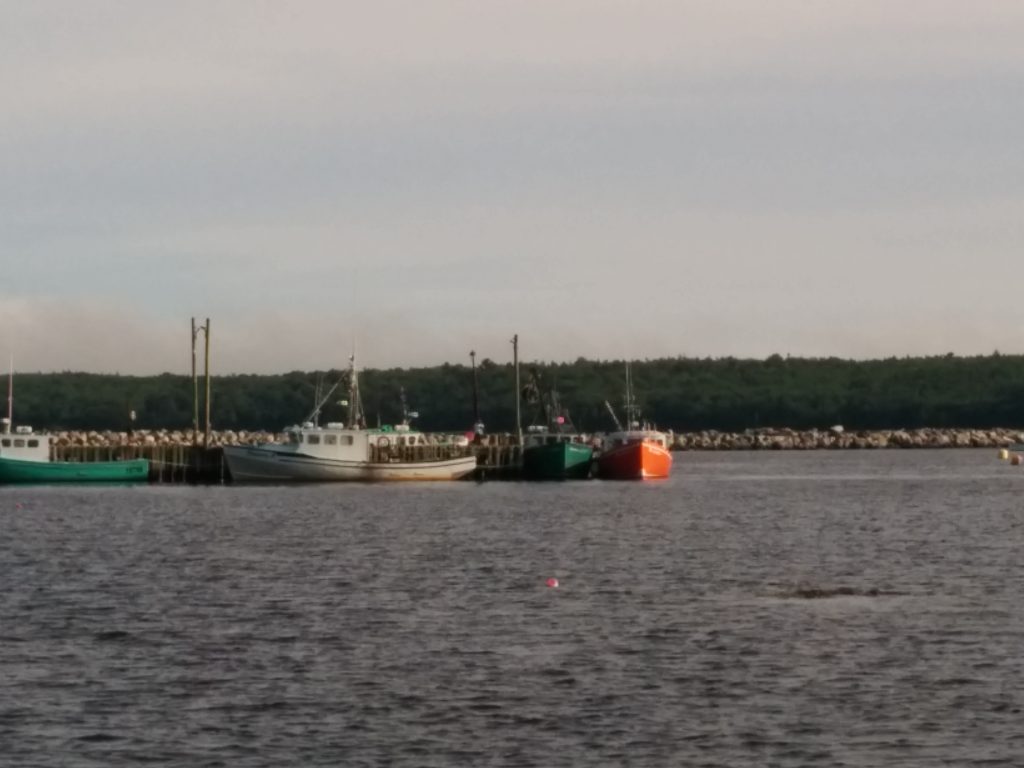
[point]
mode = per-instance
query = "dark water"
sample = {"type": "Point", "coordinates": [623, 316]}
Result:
{"type": "Point", "coordinates": [826, 609]}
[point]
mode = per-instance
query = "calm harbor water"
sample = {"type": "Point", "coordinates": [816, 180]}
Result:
{"type": "Point", "coordinates": [784, 609]}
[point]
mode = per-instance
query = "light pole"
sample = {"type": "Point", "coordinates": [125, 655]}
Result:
{"type": "Point", "coordinates": [205, 329]}
{"type": "Point", "coordinates": [515, 362]}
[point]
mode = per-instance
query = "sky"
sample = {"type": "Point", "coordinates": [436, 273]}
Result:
{"type": "Point", "coordinates": [605, 178]}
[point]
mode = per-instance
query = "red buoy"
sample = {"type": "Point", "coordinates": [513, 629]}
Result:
{"type": "Point", "coordinates": [552, 582]}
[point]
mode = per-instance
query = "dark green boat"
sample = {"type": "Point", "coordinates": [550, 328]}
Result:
{"type": "Point", "coordinates": [19, 471]}
{"type": "Point", "coordinates": [554, 451]}
{"type": "Point", "coordinates": [552, 456]}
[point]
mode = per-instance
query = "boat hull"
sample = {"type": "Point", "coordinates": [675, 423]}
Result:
{"type": "Point", "coordinates": [634, 461]}
{"type": "Point", "coordinates": [263, 465]}
{"type": "Point", "coordinates": [18, 471]}
{"type": "Point", "coordinates": [558, 461]}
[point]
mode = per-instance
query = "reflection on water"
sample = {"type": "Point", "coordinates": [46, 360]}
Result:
{"type": "Point", "coordinates": [793, 609]}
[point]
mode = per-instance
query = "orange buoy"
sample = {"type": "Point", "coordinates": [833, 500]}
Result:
{"type": "Point", "coordinates": [1015, 460]}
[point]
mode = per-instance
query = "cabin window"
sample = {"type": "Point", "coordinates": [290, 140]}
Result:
{"type": "Point", "coordinates": [552, 440]}
{"type": "Point", "coordinates": [345, 439]}
{"type": "Point", "coordinates": [33, 443]}
{"type": "Point", "coordinates": [6, 442]}
{"type": "Point", "coordinates": [313, 439]}
{"type": "Point", "coordinates": [330, 439]}
{"type": "Point", "coordinates": [19, 443]}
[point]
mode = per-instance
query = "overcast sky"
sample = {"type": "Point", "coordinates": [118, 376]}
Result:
{"type": "Point", "coordinates": [607, 179]}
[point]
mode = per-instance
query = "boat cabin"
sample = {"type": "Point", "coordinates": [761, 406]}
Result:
{"type": "Point", "coordinates": [337, 441]}
{"type": "Point", "coordinates": [649, 436]}
{"type": "Point", "coordinates": [23, 444]}
{"type": "Point", "coordinates": [541, 436]}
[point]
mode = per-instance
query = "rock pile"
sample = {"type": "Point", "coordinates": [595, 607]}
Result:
{"type": "Point", "coordinates": [161, 437]}
{"type": "Point", "coordinates": [804, 440]}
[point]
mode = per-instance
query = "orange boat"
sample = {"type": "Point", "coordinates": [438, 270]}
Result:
{"type": "Point", "coordinates": [635, 454]}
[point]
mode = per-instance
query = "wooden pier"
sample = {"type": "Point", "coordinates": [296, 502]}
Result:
{"type": "Point", "coordinates": [499, 457]}
{"type": "Point", "coordinates": [178, 463]}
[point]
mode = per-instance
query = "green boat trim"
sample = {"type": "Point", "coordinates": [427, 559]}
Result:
{"type": "Point", "coordinates": [21, 471]}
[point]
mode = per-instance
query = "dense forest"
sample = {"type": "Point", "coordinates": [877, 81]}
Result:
{"type": "Point", "coordinates": [679, 393]}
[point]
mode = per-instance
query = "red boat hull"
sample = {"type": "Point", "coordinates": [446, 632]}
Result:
{"type": "Point", "coordinates": [634, 461]}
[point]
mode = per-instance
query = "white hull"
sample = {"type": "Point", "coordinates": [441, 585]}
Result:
{"type": "Point", "coordinates": [262, 465]}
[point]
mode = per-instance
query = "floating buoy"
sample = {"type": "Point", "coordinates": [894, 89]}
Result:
{"type": "Point", "coordinates": [1015, 461]}
{"type": "Point", "coordinates": [1004, 454]}
{"type": "Point", "coordinates": [552, 582]}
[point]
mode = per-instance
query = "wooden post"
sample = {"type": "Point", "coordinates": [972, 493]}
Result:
{"type": "Point", "coordinates": [195, 388]}
{"type": "Point", "coordinates": [476, 398]}
{"type": "Point", "coordinates": [515, 361]}
{"type": "Point", "coordinates": [206, 436]}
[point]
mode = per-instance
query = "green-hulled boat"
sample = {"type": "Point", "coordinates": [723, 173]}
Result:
{"type": "Point", "coordinates": [554, 456]}
{"type": "Point", "coordinates": [18, 471]}
{"type": "Point", "coordinates": [25, 458]}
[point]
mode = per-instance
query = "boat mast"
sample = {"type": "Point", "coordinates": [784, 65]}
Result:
{"type": "Point", "coordinates": [632, 418]}
{"type": "Point", "coordinates": [10, 397]}
{"type": "Point", "coordinates": [407, 415]}
{"type": "Point", "coordinates": [316, 400]}
{"type": "Point", "coordinates": [355, 405]}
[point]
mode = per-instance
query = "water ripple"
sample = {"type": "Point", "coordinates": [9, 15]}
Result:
{"type": "Point", "coordinates": [783, 609]}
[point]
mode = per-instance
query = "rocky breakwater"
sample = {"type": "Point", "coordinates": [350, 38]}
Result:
{"type": "Point", "coordinates": [813, 439]}
{"type": "Point", "coordinates": [159, 437]}
{"type": "Point", "coordinates": [707, 440]}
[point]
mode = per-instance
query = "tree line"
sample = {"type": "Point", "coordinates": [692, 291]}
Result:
{"type": "Point", "coordinates": [683, 394]}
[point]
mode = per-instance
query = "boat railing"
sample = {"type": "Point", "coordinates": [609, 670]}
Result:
{"type": "Point", "coordinates": [380, 454]}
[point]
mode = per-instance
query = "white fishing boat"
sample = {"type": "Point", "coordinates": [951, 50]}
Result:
{"type": "Point", "coordinates": [350, 451]}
